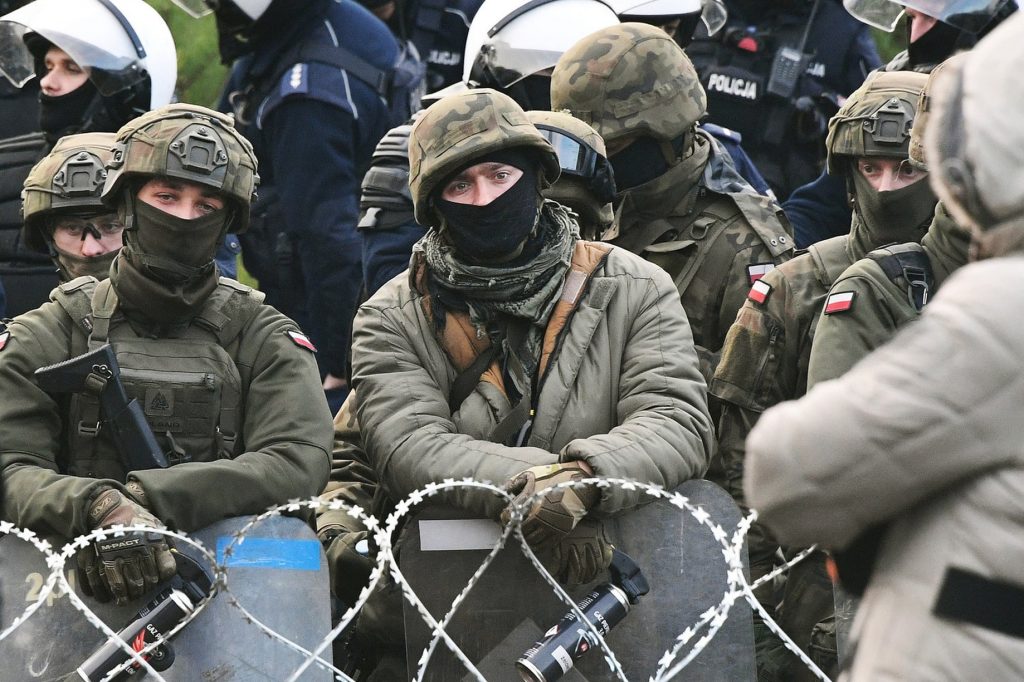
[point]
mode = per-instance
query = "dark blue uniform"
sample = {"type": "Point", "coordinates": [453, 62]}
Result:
{"type": "Point", "coordinates": [313, 128]}
{"type": "Point", "coordinates": [784, 135]}
{"type": "Point", "coordinates": [818, 210]}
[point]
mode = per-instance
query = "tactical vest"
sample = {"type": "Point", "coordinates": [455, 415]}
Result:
{"type": "Point", "coordinates": [909, 268]}
{"type": "Point", "coordinates": [191, 387]}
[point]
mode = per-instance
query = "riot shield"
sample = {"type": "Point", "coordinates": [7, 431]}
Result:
{"type": "Point", "coordinates": [511, 606]}
{"type": "Point", "coordinates": [278, 574]}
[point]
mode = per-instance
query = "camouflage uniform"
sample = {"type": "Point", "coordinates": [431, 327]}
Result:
{"type": "Point", "coordinates": [699, 220]}
{"type": "Point", "coordinates": [229, 386]}
{"type": "Point", "coordinates": [767, 351]}
{"type": "Point", "coordinates": [885, 297]}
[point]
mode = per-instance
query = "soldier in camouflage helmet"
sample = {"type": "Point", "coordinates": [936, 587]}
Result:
{"type": "Point", "coordinates": [227, 384]}
{"type": "Point", "coordinates": [891, 285]}
{"type": "Point", "coordinates": [63, 213]}
{"type": "Point", "coordinates": [680, 203]}
{"type": "Point", "coordinates": [767, 350]}
{"type": "Point", "coordinates": [471, 334]}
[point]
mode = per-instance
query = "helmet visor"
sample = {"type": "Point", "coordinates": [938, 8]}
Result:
{"type": "Point", "coordinates": [714, 15]}
{"type": "Point", "coordinates": [90, 35]}
{"type": "Point", "coordinates": [195, 8]}
{"type": "Point", "coordinates": [881, 14]}
{"type": "Point", "coordinates": [500, 65]}
{"type": "Point", "coordinates": [968, 15]}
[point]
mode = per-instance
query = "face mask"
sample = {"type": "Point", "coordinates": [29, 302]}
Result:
{"type": "Point", "coordinates": [171, 249]}
{"type": "Point", "coordinates": [495, 231]}
{"type": "Point", "coordinates": [63, 112]}
{"type": "Point", "coordinates": [79, 266]}
{"type": "Point", "coordinates": [933, 47]}
{"type": "Point", "coordinates": [642, 161]}
{"type": "Point", "coordinates": [900, 215]}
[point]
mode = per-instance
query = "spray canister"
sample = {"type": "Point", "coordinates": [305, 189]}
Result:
{"type": "Point", "coordinates": [553, 656]}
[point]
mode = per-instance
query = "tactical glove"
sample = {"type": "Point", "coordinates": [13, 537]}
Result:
{"type": "Point", "coordinates": [124, 566]}
{"type": "Point", "coordinates": [554, 514]}
{"type": "Point", "coordinates": [581, 556]}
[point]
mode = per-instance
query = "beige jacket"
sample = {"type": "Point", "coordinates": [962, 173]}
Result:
{"type": "Point", "coordinates": [623, 391]}
{"type": "Point", "coordinates": [926, 433]}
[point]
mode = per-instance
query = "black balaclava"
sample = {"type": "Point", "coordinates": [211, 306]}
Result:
{"type": "Point", "coordinates": [496, 231]}
{"type": "Point", "coordinates": [898, 215]}
{"type": "Point", "coordinates": [165, 271]}
{"type": "Point", "coordinates": [66, 112]}
{"type": "Point", "coordinates": [937, 44]}
{"type": "Point", "coordinates": [643, 160]}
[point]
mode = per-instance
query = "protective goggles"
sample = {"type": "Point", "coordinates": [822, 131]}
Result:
{"type": "Point", "coordinates": [579, 159]}
{"type": "Point", "coordinates": [100, 228]}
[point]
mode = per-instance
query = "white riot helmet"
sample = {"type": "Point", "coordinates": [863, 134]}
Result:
{"type": "Point", "coordinates": [510, 40]}
{"type": "Point", "coordinates": [124, 43]}
{"type": "Point", "coordinates": [972, 16]}
{"type": "Point", "coordinates": [659, 12]}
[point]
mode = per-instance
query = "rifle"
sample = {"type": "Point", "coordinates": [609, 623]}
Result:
{"type": "Point", "coordinates": [97, 372]}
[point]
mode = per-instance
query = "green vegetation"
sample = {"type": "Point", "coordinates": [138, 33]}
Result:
{"type": "Point", "coordinates": [201, 76]}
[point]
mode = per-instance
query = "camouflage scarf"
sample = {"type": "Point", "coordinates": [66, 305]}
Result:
{"type": "Point", "coordinates": [526, 288]}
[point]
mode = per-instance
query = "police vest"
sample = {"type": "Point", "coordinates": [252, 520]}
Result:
{"type": "Point", "coordinates": [191, 387]}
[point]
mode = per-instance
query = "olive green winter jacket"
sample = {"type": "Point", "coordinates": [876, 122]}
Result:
{"type": "Point", "coordinates": [622, 391]}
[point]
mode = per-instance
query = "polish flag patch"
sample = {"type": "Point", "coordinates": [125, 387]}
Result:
{"type": "Point", "coordinates": [839, 303]}
{"type": "Point", "coordinates": [759, 291]}
{"type": "Point", "coordinates": [3, 339]}
{"type": "Point", "coordinates": [302, 341]}
{"type": "Point", "coordinates": [759, 270]}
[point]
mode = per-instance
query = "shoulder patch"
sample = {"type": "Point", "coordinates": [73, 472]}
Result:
{"type": "Point", "coordinates": [760, 291]}
{"type": "Point", "coordinates": [3, 339]}
{"type": "Point", "coordinates": [840, 303]}
{"type": "Point", "coordinates": [302, 341]}
{"type": "Point", "coordinates": [759, 270]}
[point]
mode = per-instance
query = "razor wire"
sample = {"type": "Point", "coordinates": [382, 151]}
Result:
{"type": "Point", "coordinates": [685, 649]}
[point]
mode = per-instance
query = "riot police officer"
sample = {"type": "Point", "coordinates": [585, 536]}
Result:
{"type": "Point", "coordinates": [776, 73]}
{"type": "Point", "coordinates": [301, 66]}
{"type": "Point", "coordinates": [94, 65]}
{"type": "Point", "coordinates": [817, 210]}
{"type": "Point", "coordinates": [765, 356]}
{"type": "Point", "coordinates": [229, 385]}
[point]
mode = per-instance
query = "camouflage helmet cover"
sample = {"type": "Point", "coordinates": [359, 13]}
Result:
{"type": "Point", "coordinates": [629, 78]}
{"type": "Point", "coordinates": [186, 142]}
{"type": "Point", "coordinates": [68, 180]}
{"type": "Point", "coordinates": [917, 156]}
{"type": "Point", "coordinates": [876, 120]}
{"type": "Point", "coordinates": [462, 127]}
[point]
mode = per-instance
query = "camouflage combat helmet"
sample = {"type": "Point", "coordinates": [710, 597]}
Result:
{"type": "Point", "coordinates": [586, 184]}
{"type": "Point", "coordinates": [466, 126]}
{"type": "Point", "coordinates": [923, 105]}
{"type": "Point", "coordinates": [876, 119]}
{"type": "Point", "coordinates": [68, 180]}
{"type": "Point", "coordinates": [629, 78]}
{"type": "Point", "coordinates": [186, 142]}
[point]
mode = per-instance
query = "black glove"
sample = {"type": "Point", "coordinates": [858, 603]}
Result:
{"type": "Point", "coordinates": [124, 566]}
{"type": "Point", "coordinates": [350, 570]}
